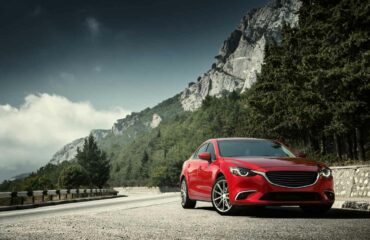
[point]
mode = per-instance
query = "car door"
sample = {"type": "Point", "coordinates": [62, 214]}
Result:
{"type": "Point", "coordinates": [193, 168]}
{"type": "Point", "coordinates": [205, 173]}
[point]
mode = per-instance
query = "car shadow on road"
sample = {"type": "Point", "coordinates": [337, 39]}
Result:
{"type": "Point", "coordinates": [294, 212]}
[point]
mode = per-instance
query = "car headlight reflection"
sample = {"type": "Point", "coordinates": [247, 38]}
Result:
{"type": "Point", "coordinates": [241, 171]}
{"type": "Point", "coordinates": [326, 172]}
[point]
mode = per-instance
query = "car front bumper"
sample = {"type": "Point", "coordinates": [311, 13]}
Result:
{"type": "Point", "coordinates": [258, 190]}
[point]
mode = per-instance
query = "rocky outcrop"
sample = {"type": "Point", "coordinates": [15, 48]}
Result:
{"type": "Point", "coordinates": [100, 134]}
{"type": "Point", "coordinates": [68, 152]}
{"type": "Point", "coordinates": [213, 83]}
{"type": "Point", "coordinates": [241, 56]}
{"type": "Point", "coordinates": [121, 125]}
{"type": "Point", "coordinates": [135, 124]}
{"type": "Point", "coordinates": [156, 120]}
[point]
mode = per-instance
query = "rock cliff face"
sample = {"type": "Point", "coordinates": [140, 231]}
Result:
{"type": "Point", "coordinates": [136, 123]}
{"type": "Point", "coordinates": [122, 125]}
{"type": "Point", "coordinates": [241, 55]}
{"type": "Point", "coordinates": [156, 120]}
{"type": "Point", "coordinates": [238, 62]}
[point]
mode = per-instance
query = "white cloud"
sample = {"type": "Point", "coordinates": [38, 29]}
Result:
{"type": "Point", "coordinates": [32, 133]}
{"type": "Point", "coordinates": [93, 25]}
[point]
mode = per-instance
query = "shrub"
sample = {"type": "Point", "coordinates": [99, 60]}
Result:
{"type": "Point", "coordinates": [73, 176]}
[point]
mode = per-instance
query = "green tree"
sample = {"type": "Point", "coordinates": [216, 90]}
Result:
{"type": "Point", "coordinates": [314, 86]}
{"type": "Point", "coordinates": [129, 170]}
{"type": "Point", "coordinates": [73, 176]}
{"type": "Point", "coordinates": [167, 175]}
{"type": "Point", "coordinates": [37, 182]}
{"type": "Point", "coordinates": [94, 161]}
{"type": "Point", "coordinates": [144, 165]}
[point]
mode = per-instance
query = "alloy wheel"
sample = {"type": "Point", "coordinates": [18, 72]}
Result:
{"type": "Point", "coordinates": [183, 193]}
{"type": "Point", "coordinates": [220, 196]}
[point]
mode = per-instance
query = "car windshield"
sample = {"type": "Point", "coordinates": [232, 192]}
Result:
{"type": "Point", "coordinates": [252, 148]}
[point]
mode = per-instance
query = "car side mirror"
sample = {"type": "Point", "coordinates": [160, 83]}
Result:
{"type": "Point", "coordinates": [205, 156]}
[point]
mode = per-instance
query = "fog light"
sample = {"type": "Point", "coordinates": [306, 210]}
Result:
{"type": "Point", "coordinates": [244, 195]}
{"type": "Point", "coordinates": [330, 195]}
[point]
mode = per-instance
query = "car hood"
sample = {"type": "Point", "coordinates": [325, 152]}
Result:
{"type": "Point", "coordinates": [275, 163]}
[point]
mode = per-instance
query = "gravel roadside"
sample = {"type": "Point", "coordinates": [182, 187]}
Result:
{"type": "Point", "coordinates": [165, 219]}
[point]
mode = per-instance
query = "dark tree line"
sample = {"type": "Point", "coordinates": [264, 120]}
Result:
{"type": "Point", "coordinates": [314, 87]}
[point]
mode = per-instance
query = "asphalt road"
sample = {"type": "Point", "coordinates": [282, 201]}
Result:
{"type": "Point", "coordinates": [160, 216]}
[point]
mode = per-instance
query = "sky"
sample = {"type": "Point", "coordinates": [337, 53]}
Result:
{"type": "Point", "coordinates": [70, 66]}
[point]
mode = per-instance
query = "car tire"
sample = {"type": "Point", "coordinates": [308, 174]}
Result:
{"type": "Point", "coordinates": [220, 197]}
{"type": "Point", "coordinates": [186, 202]}
{"type": "Point", "coordinates": [316, 209]}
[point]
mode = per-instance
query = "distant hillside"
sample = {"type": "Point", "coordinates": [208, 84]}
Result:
{"type": "Point", "coordinates": [19, 177]}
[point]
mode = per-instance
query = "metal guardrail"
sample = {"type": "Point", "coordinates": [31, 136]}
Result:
{"type": "Point", "coordinates": [22, 197]}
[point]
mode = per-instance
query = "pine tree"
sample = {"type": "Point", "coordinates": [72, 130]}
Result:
{"type": "Point", "coordinates": [94, 161]}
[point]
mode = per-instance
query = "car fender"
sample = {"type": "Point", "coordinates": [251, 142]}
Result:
{"type": "Point", "coordinates": [184, 172]}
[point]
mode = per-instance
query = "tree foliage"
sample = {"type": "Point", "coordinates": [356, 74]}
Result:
{"type": "Point", "coordinates": [73, 176]}
{"type": "Point", "coordinates": [314, 87]}
{"type": "Point", "coordinates": [156, 158]}
{"type": "Point", "coordinates": [94, 161]}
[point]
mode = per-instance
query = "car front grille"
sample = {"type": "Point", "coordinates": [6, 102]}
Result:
{"type": "Point", "coordinates": [292, 179]}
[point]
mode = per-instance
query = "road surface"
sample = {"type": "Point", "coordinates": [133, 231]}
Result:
{"type": "Point", "coordinates": [160, 216]}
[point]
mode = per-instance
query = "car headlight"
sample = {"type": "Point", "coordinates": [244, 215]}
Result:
{"type": "Point", "coordinates": [325, 172]}
{"type": "Point", "coordinates": [240, 171]}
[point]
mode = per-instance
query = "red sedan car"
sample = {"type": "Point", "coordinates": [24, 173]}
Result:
{"type": "Point", "coordinates": [230, 172]}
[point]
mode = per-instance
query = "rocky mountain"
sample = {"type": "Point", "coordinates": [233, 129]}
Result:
{"type": "Point", "coordinates": [238, 63]}
{"type": "Point", "coordinates": [241, 56]}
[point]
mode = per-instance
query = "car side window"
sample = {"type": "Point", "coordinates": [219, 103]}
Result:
{"type": "Point", "coordinates": [203, 148]}
{"type": "Point", "coordinates": [211, 150]}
